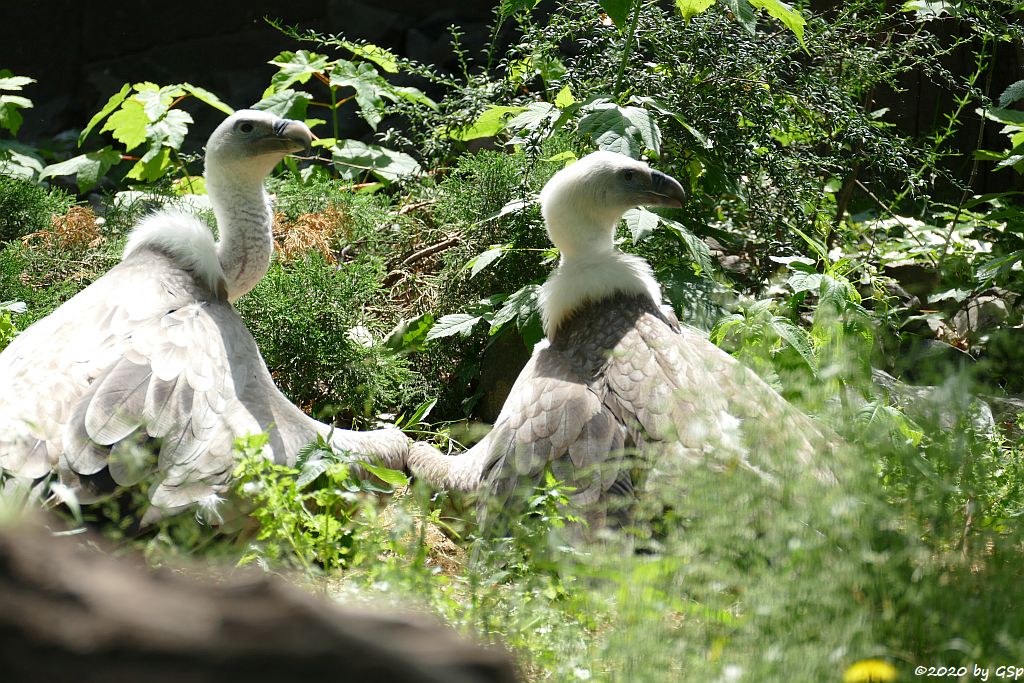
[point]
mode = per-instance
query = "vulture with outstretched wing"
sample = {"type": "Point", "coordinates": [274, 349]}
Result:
{"type": "Point", "coordinates": [617, 375]}
{"type": "Point", "coordinates": [154, 356]}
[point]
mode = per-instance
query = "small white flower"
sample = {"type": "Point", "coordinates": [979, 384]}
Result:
{"type": "Point", "coordinates": [581, 673]}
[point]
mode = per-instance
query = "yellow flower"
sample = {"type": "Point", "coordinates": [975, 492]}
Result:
{"type": "Point", "coordinates": [870, 671]}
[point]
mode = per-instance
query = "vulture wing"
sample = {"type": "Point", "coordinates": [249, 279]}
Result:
{"type": "Point", "coordinates": [162, 359]}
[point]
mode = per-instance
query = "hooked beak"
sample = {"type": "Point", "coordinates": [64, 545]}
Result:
{"type": "Point", "coordinates": [289, 137]}
{"type": "Point", "coordinates": [664, 191]}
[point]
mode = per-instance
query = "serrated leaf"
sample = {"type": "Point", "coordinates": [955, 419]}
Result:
{"type": "Point", "coordinates": [490, 122]}
{"type": "Point", "coordinates": [356, 158]}
{"type": "Point", "coordinates": [386, 474]}
{"type": "Point", "coordinates": [288, 104]}
{"type": "Point", "coordinates": [19, 161]}
{"type": "Point", "coordinates": [1013, 93]}
{"type": "Point", "coordinates": [999, 265]}
{"type": "Point", "coordinates": [170, 131]}
{"type": "Point", "coordinates": [9, 82]}
{"type": "Point", "coordinates": [128, 124]}
{"type": "Point", "coordinates": [380, 56]}
{"type": "Point", "coordinates": [369, 87]}
{"type": "Point", "coordinates": [662, 108]}
{"type": "Point", "coordinates": [519, 306]}
{"type": "Point", "coordinates": [295, 67]}
{"type": "Point", "coordinates": [535, 115]}
{"type": "Point", "coordinates": [156, 100]}
{"type": "Point", "coordinates": [804, 282]}
{"type": "Point", "coordinates": [455, 323]}
{"type": "Point", "coordinates": [409, 335]}
{"type": "Point", "coordinates": [743, 13]}
{"type": "Point", "coordinates": [618, 11]}
{"type": "Point", "coordinates": [641, 223]}
{"type": "Point", "coordinates": [311, 470]}
{"type": "Point", "coordinates": [626, 130]}
{"type": "Point", "coordinates": [484, 259]}
{"type": "Point", "coordinates": [797, 338]}
{"type": "Point", "coordinates": [790, 18]}
{"type": "Point", "coordinates": [87, 168]}
{"type": "Point", "coordinates": [113, 103]}
{"type": "Point", "coordinates": [207, 97]}
{"type": "Point", "coordinates": [691, 8]}
{"type": "Point", "coordinates": [152, 166]}
{"type": "Point", "coordinates": [698, 250]}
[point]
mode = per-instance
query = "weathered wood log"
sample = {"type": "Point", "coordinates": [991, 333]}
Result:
{"type": "Point", "coordinates": [68, 613]}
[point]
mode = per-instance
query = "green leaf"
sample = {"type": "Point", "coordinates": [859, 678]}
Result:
{"type": "Point", "coordinates": [369, 87]}
{"type": "Point", "coordinates": [128, 124]}
{"type": "Point", "coordinates": [521, 306]}
{"type": "Point", "coordinates": [295, 67]}
{"type": "Point", "coordinates": [482, 260]}
{"type": "Point", "coordinates": [790, 18]}
{"type": "Point", "coordinates": [87, 168]}
{"type": "Point", "coordinates": [641, 223]}
{"type": "Point", "coordinates": [386, 474]}
{"type": "Point", "coordinates": [626, 130]}
{"type": "Point", "coordinates": [450, 325]}
{"type": "Point", "coordinates": [805, 282]}
{"type": "Point", "coordinates": [11, 82]}
{"type": "Point", "coordinates": [207, 97]}
{"type": "Point", "coordinates": [380, 56]}
{"type": "Point", "coordinates": [699, 251]}
{"type": "Point", "coordinates": [744, 14]}
{"type": "Point", "coordinates": [491, 122]}
{"type": "Point", "coordinates": [170, 130]}
{"type": "Point", "coordinates": [662, 108]}
{"type": "Point", "coordinates": [115, 100]}
{"type": "Point", "coordinates": [414, 95]}
{"type": "Point", "coordinates": [10, 116]}
{"type": "Point", "coordinates": [19, 161]}
{"type": "Point", "coordinates": [691, 8]}
{"type": "Point", "coordinates": [356, 158]}
{"type": "Point", "coordinates": [409, 335]}
{"type": "Point", "coordinates": [1009, 116]}
{"type": "Point", "coordinates": [1013, 93]}
{"type": "Point", "coordinates": [618, 11]}
{"type": "Point", "coordinates": [564, 98]}
{"type": "Point", "coordinates": [288, 104]}
{"type": "Point", "coordinates": [157, 100]}
{"type": "Point", "coordinates": [152, 166]}
{"type": "Point", "coordinates": [796, 337]}
{"type": "Point", "coordinates": [999, 265]}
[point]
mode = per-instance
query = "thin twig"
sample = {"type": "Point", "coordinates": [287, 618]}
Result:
{"type": "Point", "coordinates": [430, 250]}
{"type": "Point", "coordinates": [892, 213]}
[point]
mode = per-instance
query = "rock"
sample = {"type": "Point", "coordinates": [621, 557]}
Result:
{"type": "Point", "coordinates": [71, 613]}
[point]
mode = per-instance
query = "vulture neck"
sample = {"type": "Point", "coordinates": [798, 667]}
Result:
{"type": "Point", "coordinates": [591, 269]}
{"type": "Point", "coordinates": [244, 220]}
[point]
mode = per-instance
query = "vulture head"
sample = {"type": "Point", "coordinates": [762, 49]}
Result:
{"type": "Point", "coordinates": [249, 143]}
{"type": "Point", "coordinates": [583, 202]}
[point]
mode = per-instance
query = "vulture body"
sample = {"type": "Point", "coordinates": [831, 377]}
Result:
{"type": "Point", "coordinates": [620, 395]}
{"type": "Point", "coordinates": [153, 356]}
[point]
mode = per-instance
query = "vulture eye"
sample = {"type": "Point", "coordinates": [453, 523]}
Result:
{"type": "Point", "coordinates": [245, 127]}
{"type": "Point", "coordinates": [628, 175]}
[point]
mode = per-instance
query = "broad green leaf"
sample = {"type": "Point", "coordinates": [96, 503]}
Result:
{"type": "Point", "coordinates": [641, 223]}
{"type": "Point", "coordinates": [796, 337]}
{"type": "Point", "coordinates": [1000, 115]}
{"type": "Point", "coordinates": [369, 87]}
{"type": "Point", "coordinates": [170, 131]}
{"type": "Point", "coordinates": [804, 282]}
{"type": "Point", "coordinates": [113, 103]}
{"type": "Point", "coordinates": [450, 325]}
{"type": "Point", "coordinates": [744, 14]}
{"type": "Point", "coordinates": [310, 471]}
{"type": "Point", "coordinates": [564, 98]}
{"type": "Point", "coordinates": [999, 265]}
{"type": "Point", "coordinates": [295, 67]}
{"type": "Point", "coordinates": [1013, 93]}
{"type": "Point", "coordinates": [790, 18]}
{"type": "Point", "coordinates": [691, 8]}
{"type": "Point", "coordinates": [87, 168]}
{"type": "Point", "coordinates": [520, 306]}
{"type": "Point", "coordinates": [356, 158]}
{"type": "Point", "coordinates": [484, 259]}
{"type": "Point", "coordinates": [414, 95]}
{"type": "Point", "coordinates": [698, 250]}
{"type": "Point", "coordinates": [19, 161]}
{"type": "Point", "coordinates": [380, 56]}
{"type": "Point", "coordinates": [128, 124]}
{"type": "Point", "coordinates": [386, 474]}
{"type": "Point", "coordinates": [10, 116]}
{"type": "Point", "coordinates": [9, 82]}
{"type": "Point", "coordinates": [13, 306]}
{"type": "Point", "coordinates": [514, 206]}
{"type": "Point", "coordinates": [157, 100]}
{"type": "Point", "coordinates": [288, 104]}
{"type": "Point", "coordinates": [409, 335]}
{"type": "Point", "coordinates": [535, 115]}
{"type": "Point", "coordinates": [662, 108]}
{"type": "Point", "coordinates": [877, 415]}
{"type": "Point", "coordinates": [207, 97]}
{"type": "Point", "coordinates": [491, 122]}
{"type": "Point", "coordinates": [626, 130]}
{"type": "Point", "coordinates": [618, 11]}
{"type": "Point", "coordinates": [152, 166]}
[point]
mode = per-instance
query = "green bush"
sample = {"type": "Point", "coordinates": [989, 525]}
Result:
{"type": "Point", "coordinates": [26, 207]}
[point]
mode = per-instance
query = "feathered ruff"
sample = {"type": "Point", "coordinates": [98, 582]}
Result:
{"type": "Point", "coordinates": [186, 239]}
{"type": "Point", "coordinates": [593, 277]}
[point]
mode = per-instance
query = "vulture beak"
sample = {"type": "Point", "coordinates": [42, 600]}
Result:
{"type": "Point", "coordinates": [664, 191]}
{"type": "Point", "coordinates": [289, 137]}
